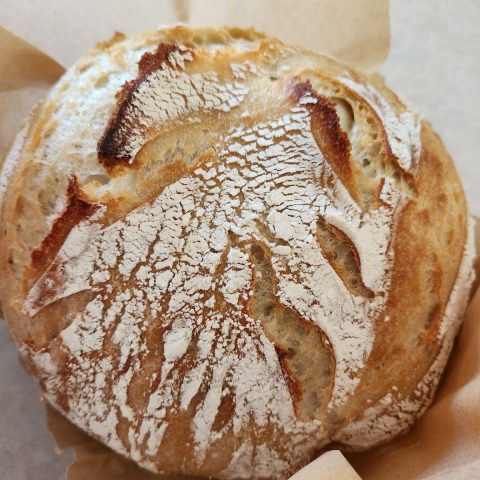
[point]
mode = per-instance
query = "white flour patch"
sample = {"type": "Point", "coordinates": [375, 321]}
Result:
{"type": "Point", "coordinates": [172, 279]}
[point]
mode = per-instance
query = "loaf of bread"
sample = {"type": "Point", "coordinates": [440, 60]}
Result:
{"type": "Point", "coordinates": [221, 254]}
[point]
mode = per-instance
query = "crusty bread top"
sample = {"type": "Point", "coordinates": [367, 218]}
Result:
{"type": "Point", "coordinates": [226, 252]}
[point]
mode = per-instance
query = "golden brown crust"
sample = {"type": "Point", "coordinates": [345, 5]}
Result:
{"type": "Point", "coordinates": [256, 254]}
{"type": "Point", "coordinates": [429, 268]}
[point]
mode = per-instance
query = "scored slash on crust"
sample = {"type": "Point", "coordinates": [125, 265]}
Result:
{"type": "Point", "coordinates": [113, 144]}
{"type": "Point", "coordinates": [76, 210]}
{"type": "Point", "coordinates": [163, 92]}
{"type": "Point", "coordinates": [182, 305]}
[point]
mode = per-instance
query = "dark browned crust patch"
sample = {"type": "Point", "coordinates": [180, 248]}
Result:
{"type": "Point", "coordinates": [119, 127]}
{"type": "Point", "coordinates": [335, 145]}
{"type": "Point", "coordinates": [75, 211]}
{"type": "Point", "coordinates": [152, 61]}
{"type": "Point", "coordinates": [328, 134]}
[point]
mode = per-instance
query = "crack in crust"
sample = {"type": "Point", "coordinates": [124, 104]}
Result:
{"type": "Point", "coordinates": [76, 210]}
{"type": "Point", "coordinates": [163, 93]}
{"type": "Point", "coordinates": [111, 146]}
{"type": "Point", "coordinates": [307, 359]}
{"type": "Point", "coordinates": [332, 140]}
{"type": "Point", "coordinates": [343, 257]}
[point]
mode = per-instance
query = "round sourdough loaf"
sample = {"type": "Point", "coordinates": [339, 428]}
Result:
{"type": "Point", "coordinates": [221, 253]}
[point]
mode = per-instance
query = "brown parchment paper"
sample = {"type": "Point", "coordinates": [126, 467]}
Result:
{"type": "Point", "coordinates": [356, 32]}
{"type": "Point", "coordinates": [26, 74]}
{"type": "Point", "coordinates": [446, 442]}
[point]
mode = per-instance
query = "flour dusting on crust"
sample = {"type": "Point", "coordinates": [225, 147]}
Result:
{"type": "Point", "coordinates": [393, 414]}
{"type": "Point", "coordinates": [167, 339]}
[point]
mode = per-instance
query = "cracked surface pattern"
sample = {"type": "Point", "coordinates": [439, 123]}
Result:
{"type": "Point", "coordinates": [236, 204]}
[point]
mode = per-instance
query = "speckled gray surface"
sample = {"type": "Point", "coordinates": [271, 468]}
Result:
{"type": "Point", "coordinates": [434, 63]}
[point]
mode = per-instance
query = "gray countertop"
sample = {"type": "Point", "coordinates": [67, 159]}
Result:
{"type": "Point", "coordinates": [434, 63]}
